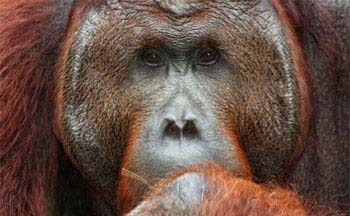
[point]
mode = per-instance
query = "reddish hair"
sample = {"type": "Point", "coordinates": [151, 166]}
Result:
{"type": "Point", "coordinates": [222, 194]}
{"type": "Point", "coordinates": [30, 33]}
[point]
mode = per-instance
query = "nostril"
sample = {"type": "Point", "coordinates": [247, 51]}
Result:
{"type": "Point", "coordinates": [190, 129]}
{"type": "Point", "coordinates": [172, 130]}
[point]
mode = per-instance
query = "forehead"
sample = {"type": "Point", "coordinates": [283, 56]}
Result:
{"type": "Point", "coordinates": [183, 11]}
{"type": "Point", "coordinates": [180, 8]}
{"type": "Point", "coordinates": [189, 20]}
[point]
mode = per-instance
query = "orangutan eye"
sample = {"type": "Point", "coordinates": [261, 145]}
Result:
{"type": "Point", "coordinates": [153, 58]}
{"type": "Point", "coordinates": [207, 56]}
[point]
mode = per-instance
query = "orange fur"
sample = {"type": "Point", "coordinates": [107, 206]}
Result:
{"type": "Point", "coordinates": [223, 194]}
{"type": "Point", "coordinates": [30, 31]}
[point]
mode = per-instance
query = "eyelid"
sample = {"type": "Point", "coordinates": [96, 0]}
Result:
{"type": "Point", "coordinates": [152, 50]}
{"type": "Point", "coordinates": [202, 51]}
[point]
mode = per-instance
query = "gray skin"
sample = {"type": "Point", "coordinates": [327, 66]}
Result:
{"type": "Point", "coordinates": [149, 87]}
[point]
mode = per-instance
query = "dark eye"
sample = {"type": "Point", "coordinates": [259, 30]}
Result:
{"type": "Point", "coordinates": [208, 56]}
{"type": "Point", "coordinates": [153, 58]}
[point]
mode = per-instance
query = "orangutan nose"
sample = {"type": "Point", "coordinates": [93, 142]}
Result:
{"type": "Point", "coordinates": [176, 129]}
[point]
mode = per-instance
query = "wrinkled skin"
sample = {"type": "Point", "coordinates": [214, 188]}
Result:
{"type": "Point", "coordinates": [143, 90]}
